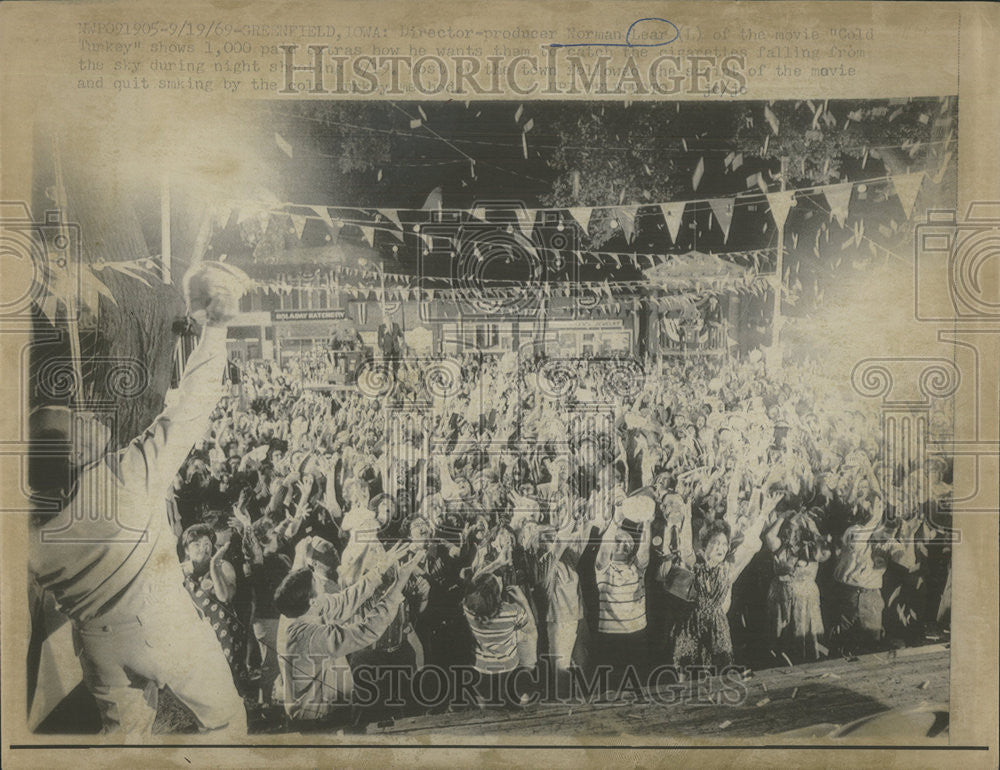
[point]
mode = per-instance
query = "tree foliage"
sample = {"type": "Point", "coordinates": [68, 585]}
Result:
{"type": "Point", "coordinates": [823, 140]}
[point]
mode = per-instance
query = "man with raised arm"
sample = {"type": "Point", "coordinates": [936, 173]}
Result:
{"type": "Point", "coordinates": [108, 555]}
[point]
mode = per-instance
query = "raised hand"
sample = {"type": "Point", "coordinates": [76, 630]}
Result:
{"type": "Point", "coordinates": [213, 291]}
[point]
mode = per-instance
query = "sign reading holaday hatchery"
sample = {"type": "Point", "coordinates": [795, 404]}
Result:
{"type": "Point", "coordinates": [308, 315]}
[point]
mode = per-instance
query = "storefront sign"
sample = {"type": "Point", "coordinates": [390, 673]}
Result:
{"type": "Point", "coordinates": [308, 315]}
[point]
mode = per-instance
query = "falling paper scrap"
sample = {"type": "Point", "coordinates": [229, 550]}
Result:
{"type": "Point", "coordinates": [699, 172]}
{"type": "Point", "coordinates": [283, 145]}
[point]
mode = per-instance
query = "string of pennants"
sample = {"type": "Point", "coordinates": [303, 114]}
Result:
{"type": "Point", "coordinates": [587, 297]}
{"type": "Point", "coordinates": [360, 281]}
{"type": "Point", "coordinates": [391, 220]}
{"type": "Point", "coordinates": [329, 281]}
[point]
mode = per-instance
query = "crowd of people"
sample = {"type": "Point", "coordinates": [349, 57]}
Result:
{"type": "Point", "coordinates": [502, 515]}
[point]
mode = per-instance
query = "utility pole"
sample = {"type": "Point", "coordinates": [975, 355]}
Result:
{"type": "Point", "coordinates": [72, 305]}
{"type": "Point", "coordinates": [778, 284]}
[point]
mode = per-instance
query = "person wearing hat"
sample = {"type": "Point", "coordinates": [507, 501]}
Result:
{"type": "Point", "coordinates": [108, 555]}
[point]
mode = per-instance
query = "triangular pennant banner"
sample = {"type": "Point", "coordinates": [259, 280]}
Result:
{"type": "Point", "coordinates": [672, 214]}
{"type": "Point", "coordinates": [838, 197]}
{"type": "Point", "coordinates": [626, 220]}
{"type": "Point", "coordinates": [723, 210]}
{"type": "Point", "coordinates": [323, 213]}
{"type": "Point", "coordinates": [368, 233]}
{"type": "Point", "coordinates": [907, 187]}
{"type": "Point", "coordinates": [780, 203]}
{"type": "Point", "coordinates": [582, 216]}
{"type": "Point", "coordinates": [526, 221]}
{"type": "Point", "coordinates": [299, 223]}
{"type": "Point", "coordinates": [392, 215]}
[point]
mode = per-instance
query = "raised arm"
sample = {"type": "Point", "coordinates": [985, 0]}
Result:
{"type": "Point", "coordinates": [759, 517]}
{"type": "Point", "coordinates": [152, 460]}
{"type": "Point", "coordinates": [771, 538]}
{"type": "Point", "coordinates": [361, 631]}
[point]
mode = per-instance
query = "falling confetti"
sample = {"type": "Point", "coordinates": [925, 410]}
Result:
{"type": "Point", "coordinates": [699, 172]}
{"type": "Point", "coordinates": [772, 119]}
{"type": "Point", "coordinates": [283, 145]}
{"type": "Point", "coordinates": [421, 111]}
{"type": "Point", "coordinates": [416, 123]}
{"type": "Point", "coordinates": [517, 115]}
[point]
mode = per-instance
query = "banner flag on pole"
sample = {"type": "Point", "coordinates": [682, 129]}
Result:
{"type": "Point", "coordinates": [780, 203]}
{"type": "Point", "coordinates": [672, 214]}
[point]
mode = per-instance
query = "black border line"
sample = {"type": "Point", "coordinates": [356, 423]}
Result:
{"type": "Point", "coordinates": [521, 746]}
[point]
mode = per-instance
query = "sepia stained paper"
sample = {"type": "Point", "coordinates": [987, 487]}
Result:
{"type": "Point", "coordinates": [535, 268]}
